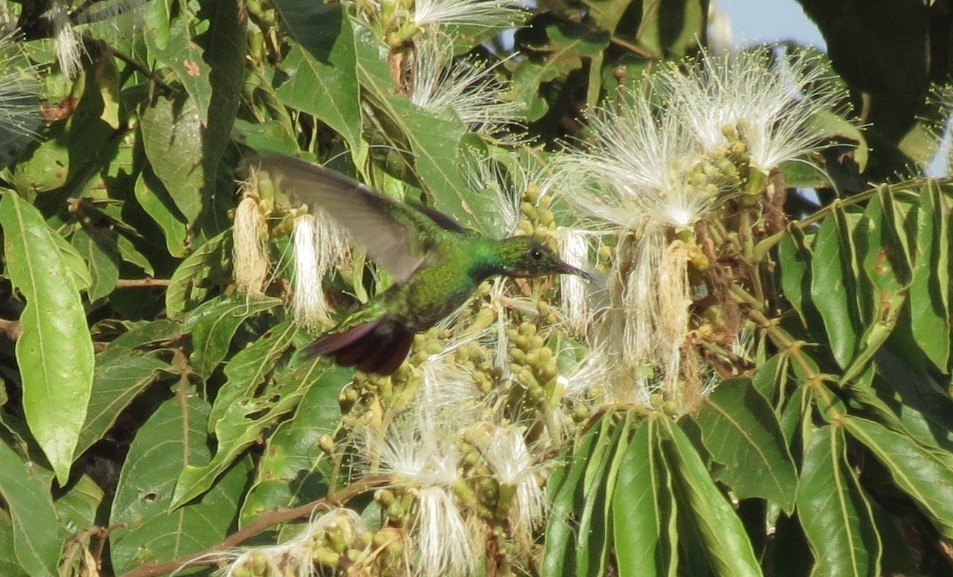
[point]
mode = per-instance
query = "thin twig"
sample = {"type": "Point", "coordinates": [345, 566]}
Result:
{"type": "Point", "coordinates": [139, 67]}
{"type": "Point", "coordinates": [141, 282]}
{"type": "Point", "coordinates": [208, 557]}
{"type": "Point", "coordinates": [649, 54]}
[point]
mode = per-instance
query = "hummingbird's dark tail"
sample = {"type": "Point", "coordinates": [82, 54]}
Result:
{"type": "Point", "coordinates": [378, 346]}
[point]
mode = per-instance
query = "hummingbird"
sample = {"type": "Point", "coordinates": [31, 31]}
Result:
{"type": "Point", "coordinates": [436, 263]}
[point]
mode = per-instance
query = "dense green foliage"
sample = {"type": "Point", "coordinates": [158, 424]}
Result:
{"type": "Point", "coordinates": [153, 406]}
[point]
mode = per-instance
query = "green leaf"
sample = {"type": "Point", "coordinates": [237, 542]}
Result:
{"type": "Point", "coordinates": [213, 325]}
{"type": "Point", "coordinates": [920, 143]}
{"type": "Point", "coordinates": [146, 530]}
{"type": "Point", "coordinates": [246, 421]}
{"type": "Point", "coordinates": [47, 167]}
{"type": "Point", "coordinates": [329, 67]}
{"type": "Point", "coordinates": [833, 288]}
{"type": "Point", "coordinates": [293, 469]}
{"type": "Point", "coordinates": [603, 519]}
{"type": "Point", "coordinates": [373, 72]}
{"type": "Point", "coordinates": [592, 536]}
{"type": "Point", "coordinates": [857, 280]}
{"type": "Point", "coordinates": [566, 495]}
{"type": "Point", "coordinates": [129, 253]}
{"type": "Point", "coordinates": [898, 208]}
{"type": "Point", "coordinates": [794, 255]}
{"type": "Point", "coordinates": [189, 283]}
{"type": "Point", "coordinates": [55, 392]}
{"type": "Point", "coordinates": [80, 143]}
{"type": "Point", "coordinates": [157, 26]}
{"type": "Point", "coordinates": [772, 376]}
{"type": "Point", "coordinates": [172, 137]}
{"type": "Point", "coordinates": [872, 238]}
{"type": "Point", "coordinates": [923, 405]}
{"type": "Point", "coordinates": [586, 42]}
{"type": "Point", "coordinates": [435, 142]}
{"type": "Point", "coordinates": [605, 13]}
{"type": "Point", "coordinates": [248, 372]}
{"type": "Point", "coordinates": [9, 565]}
{"type": "Point", "coordinates": [273, 135]}
{"type": "Point", "coordinates": [875, 241]}
{"type": "Point", "coordinates": [250, 402]}
{"type": "Point", "coordinates": [916, 471]}
{"type": "Point", "coordinates": [119, 379]}
{"type": "Point", "coordinates": [834, 513]}
{"type": "Point", "coordinates": [527, 78]}
{"type": "Point", "coordinates": [102, 259]}
{"type": "Point", "coordinates": [742, 433]}
{"type": "Point", "coordinates": [642, 507]}
{"type": "Point", "coordinates": [140, 335]}
{"type": "Point", "coordinates": [564, 49]}
{"type": "Point", "coordinates": [78, 506]}
{"type": "Point", "coordinates": [225, 46]}
{"type": "Point", "coordinates": [158, 204]}
{"type": "Point", "coordinates": [792, 415]}
{"type": "Point", "coordinates": [75, 263]}
{"type": "Point", "coordinates": [798, 174]}
{"type": "Point", "coordinates": [672, 28]}
{"type": "Point", "coordinates": [930, 286]}
{"type": "Point", "coordinates": [702, 504]}
{"type": "Point", "coordinates": [831, 125]}
{"type": "Point", "coordinates": [180, 53]}
{"type": "Point", "coordinates": [36, 534]}
{"type": "Point", "coordinates": [339, 104]}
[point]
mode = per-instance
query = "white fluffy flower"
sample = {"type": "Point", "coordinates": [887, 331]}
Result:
{"type": "Point", "coordinates": [249, 250]}
{"type": "Point", "coordinates": [69, 44]}
{"type": "Point", "coordinates": [574, 246]}
{"type": "Point", "coordinates": [19, 89]}
{"type": "Point", "coordinates": [445, 543]}
{"type": "Point", "coordinates": [318, 244]}
{"type": "Point", "coordinates": [769, 99]}
{"type": "Point", "coordinates": [471, 90]}
{"type": "Point", "coordinates": [515, 467]}
{"type": "Point", "coordinates": [483, 13]}
{"type": "Point", "coordinates": [423, 457]}
{"type": "Point", "coordinates": [635, 175]}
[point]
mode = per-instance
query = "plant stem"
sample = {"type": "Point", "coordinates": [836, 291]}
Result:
{"type": "Point", "coordinates": [208, 557]}
{"type": "Point", "coordinates": [141, 282]}
{"type": "Point", "coordinates": [769, 242]}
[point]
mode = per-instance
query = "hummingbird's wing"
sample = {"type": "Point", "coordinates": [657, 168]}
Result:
{"type": "Point", "coordinates": [377, 346]}
{"type": "Point", "coordinates": [393, 234]}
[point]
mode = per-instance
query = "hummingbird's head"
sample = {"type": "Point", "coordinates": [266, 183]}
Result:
{"type": "Point", "coordinates": [526, 256]}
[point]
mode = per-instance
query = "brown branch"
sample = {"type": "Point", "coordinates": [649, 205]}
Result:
{"type": "Point", "coordinates": [638, 50]}
{"type": "Point", "coordinates": [141, 282]}
{"type": "Point", "coordinates": [208, 557]}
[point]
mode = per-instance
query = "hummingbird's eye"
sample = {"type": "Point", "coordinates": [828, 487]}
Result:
{"type": "Point", "coordinates": [535, 253]}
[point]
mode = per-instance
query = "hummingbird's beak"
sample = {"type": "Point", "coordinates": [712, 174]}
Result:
{"type": "Point", "coordinates": [566, 268]}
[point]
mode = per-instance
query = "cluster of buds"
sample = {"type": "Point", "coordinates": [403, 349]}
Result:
{"type": "Point", "coordinates": [265, 37]}
{"type": "Point", "coordinates": [333, 540]}
{"type": "Point", "coordinates": [538, 218]}
{"type": "Point", "coordinates": [672, 171]}
{"type": "Point", "coordinates": [534, 368]}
